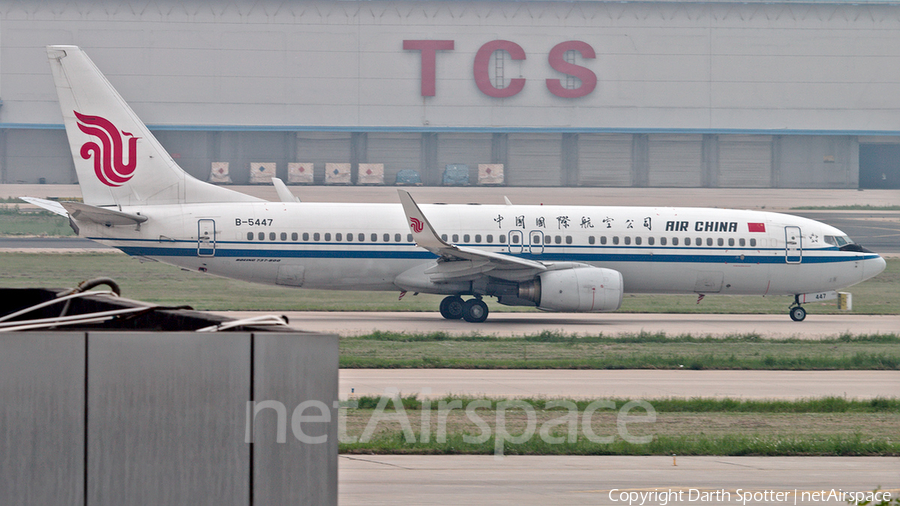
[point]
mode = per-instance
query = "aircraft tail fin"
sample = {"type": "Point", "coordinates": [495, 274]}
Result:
{"type": "Point", "coordinates": [117, 159]}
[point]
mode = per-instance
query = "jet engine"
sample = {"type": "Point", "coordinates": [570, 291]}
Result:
{"type": "Point", "coordinates": [580, 290]}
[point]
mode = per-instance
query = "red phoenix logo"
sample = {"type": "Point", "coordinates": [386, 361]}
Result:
{"type": "Point", "coordinates": [416, 225]}
{"type": "Point", "coordinates": [109, 155]}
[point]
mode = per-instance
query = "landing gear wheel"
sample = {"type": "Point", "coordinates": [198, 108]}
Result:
{"type": "Point", "coordinates": [452, 307]}
{"type": "Point", "coordinates": [798, 314]}
{"type": "Point", "coordinates": [475, 311]}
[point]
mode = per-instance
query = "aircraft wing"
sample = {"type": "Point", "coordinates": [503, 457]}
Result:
{"type": "Point", "coordinates": [459, 263]}
{"type": "Point", "coordinates": [284, 194]}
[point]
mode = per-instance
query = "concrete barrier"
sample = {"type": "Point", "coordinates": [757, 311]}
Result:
{"type": "Point", "coordinates": [99, 418]}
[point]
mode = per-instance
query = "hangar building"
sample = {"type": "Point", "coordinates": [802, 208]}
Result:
{"type": "Point", "coordinates": [755, 94]}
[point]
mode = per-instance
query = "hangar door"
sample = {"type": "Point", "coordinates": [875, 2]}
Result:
{"type": "Point", "coordinates": [676, 160]}
{"type": "Point", "coordinates": [745, 161]}
{"type": "Point", "coordinates": [321, 148]}
{"type": "Point", "coordinates": [535, 159]}
{"type": "Point", "coordinates": [397, 151]}
{"type": "Point", "coordinates": [468, 148]}
{"type": "Point", "coordinates": [879, 166]}
{"type": "Point", "coordinates": [604, 159]}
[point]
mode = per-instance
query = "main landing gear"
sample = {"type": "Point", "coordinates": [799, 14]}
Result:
{"type": "Point", "coordinates": [472, 310]}
{"type": "Point", "coordinates": [798, 314]}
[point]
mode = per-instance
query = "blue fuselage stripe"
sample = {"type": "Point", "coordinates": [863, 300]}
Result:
{"type": "Point", "coordinates": [364, 251]}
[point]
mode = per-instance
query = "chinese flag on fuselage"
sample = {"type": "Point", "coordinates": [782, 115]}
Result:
{"type": "Point", "coordinates": [756, 227]}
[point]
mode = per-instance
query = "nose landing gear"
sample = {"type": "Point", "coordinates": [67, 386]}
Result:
{"type": "Point", "coordinates": [798, 314]}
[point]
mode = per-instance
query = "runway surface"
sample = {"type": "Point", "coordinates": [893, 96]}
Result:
{"type": "Point", "coordinates": [610, 324]}
{"type": "Point", "coordinates": [518, 480]}
{"type": "Point", "coordinates": [631, 384]}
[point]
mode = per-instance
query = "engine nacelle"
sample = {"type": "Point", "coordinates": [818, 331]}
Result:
{"type": "Point", "coordinates": [579, 290]}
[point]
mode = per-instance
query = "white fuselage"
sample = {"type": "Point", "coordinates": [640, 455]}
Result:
{"type": "Point", "coordinates": [366, 246]}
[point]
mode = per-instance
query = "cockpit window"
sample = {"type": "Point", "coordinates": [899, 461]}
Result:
{"type": "Point", "coordinates": [829, 239]}
{"type": "Point", "coordinates": [842, 240]}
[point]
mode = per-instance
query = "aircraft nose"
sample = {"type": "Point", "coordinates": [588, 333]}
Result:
{"type": "Point", "coordinates": [873, 267]}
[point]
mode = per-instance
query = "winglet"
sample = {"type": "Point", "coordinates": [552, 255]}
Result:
{"type": "Point", "coordinates": [422, 231]}
{"type": "Point", "coordinates": [284, 194]}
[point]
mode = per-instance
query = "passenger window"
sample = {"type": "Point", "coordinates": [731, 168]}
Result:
{"type": "Point", "coordinates": [490, 238]}
{"type": "Point", "coordinates": [337, 237]}
{"type": "Point", "coordinates": [350, 237]}
{"type": "Point", "coordinates": [515, 239]}
{"type": "Point", "coordinates": [374, 237]}
{"type": "Point", "coordinates": [502, 239]}
{"type": "Point", "coordinates": [478, 238]}
{"type": "Point", "coordinates": [637, 241]}
{"type": "Point", "coordinates": [662, 241]}
{"type": "Point", "coordinates": [590, 239]}
{"type": "Point", "coordinates": [316, 236]}
{"type": "Point", "coordinates": [741, 242]}
{"type": "Point", "coordinates": [327, 236]}
{"type": "Point", "coordinates": [455, 238]}
{"type": "Point", "coordinates": [396, 237]}
{"type": "Point", "coordinates": [293, 236]}
{"type": "Point", "coordinates": [305, 236]}
{"type": "Point", "coordinates": [284, 236]}
{"type": "Point", "coordinates": [721, 242]}
{"type": "Point", "coordinates": [753, 242]}
{"type": "Point", "coordinates": [674, 241]}
{"type": "Point", "coordinates": [568, 239]}
{"type": "Point", "coordinates": [603, 239]}
{"type": "Point", "coordinates": [361, 237]}
{"type": "Point", "coordinates": [444, 237]}
{"type": "Point", "coordinates": [271, 236]}
{"type": "Point", "coordinates": [249, 236]}
{"type": "Point", "coordinates": [466, 238]}
{"type": "Point", "coordinates": [409, 238]}
{"type": "Point", "coordinates": [558, 239]}
{"type": "Point", "coordinates": [627, 240]}
{"type": "Point", "coordinates": [386, 238]}
{"type": "Point", "coordinates": [261, 236]}
{"type": "Point", "coordinates": [731, 241]}
{"type": "Point", "coordinates": [687, 241]}
{"type": "Point", "coordinates": [650, 241]}
{"type": "Point", "coordinates": [615, 239]}
{"type": "Point", "coordinates": [709, 241]}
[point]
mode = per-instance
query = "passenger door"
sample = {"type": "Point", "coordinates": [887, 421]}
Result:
{"type": "Point", "coordinates": [793, 245]}
{"type": "Point", "coordinates": [206, 238]}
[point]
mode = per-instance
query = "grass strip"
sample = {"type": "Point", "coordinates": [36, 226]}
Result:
{"type": "Point", "coordinates": [830, 426]}
{"type": "Point", "coordinates": [829, 404]}
{"type": "Point", "coordinates": [834, 445]}
{"type": "Point", "coordinates": [16, 222]}
{"type": "Point", "coordinates": [554, 350]}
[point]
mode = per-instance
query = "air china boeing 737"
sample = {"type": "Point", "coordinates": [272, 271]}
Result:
{"type": "Point", "coordinates": [557, 258]}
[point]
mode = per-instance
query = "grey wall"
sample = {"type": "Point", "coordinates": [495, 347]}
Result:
{"type": "Point", "coordinates": [325, 81]}
{"type": "Point", "coordinates": [672, 65]}
{"type": "Point", "coordinates": [160, 418]}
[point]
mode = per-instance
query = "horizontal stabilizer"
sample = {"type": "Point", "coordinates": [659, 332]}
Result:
{"type": "Point", "coordinates": [50, 205]}
{"type": "Point", "coordinates": [101, 215]}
